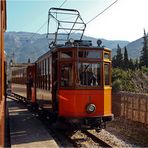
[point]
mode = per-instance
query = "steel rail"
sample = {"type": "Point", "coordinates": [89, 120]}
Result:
{"type": "Point", "coordinates": [96, 139]}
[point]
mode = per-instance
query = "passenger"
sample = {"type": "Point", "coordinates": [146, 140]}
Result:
{"type": "Point", "coordinates": [65, 76]}
{"type": "Point", "coordinates": [83, 77]}
{"type": "Point", "coordinates": [91, 77]}
{"type": "Point", "coordinates": [87, 77]}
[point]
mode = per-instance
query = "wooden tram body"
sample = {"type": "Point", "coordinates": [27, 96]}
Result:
{"type": "Point", "coordinates": [59, 76]}
{"type": "Point", "coordinates": [21, 74]}
{"type": "Point", "coordinates": [58, 88]}
{"type": "Point", "coordinates": [72, 81]}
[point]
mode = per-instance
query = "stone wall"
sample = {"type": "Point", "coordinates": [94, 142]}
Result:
{"type": "Point", "coordinates": [131, 106]}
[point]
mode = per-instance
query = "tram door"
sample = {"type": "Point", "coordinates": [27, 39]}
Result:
{"type": "Point", "coordinates": [31, 83]}
{"type": "Point", "coordinates": [54, 81]}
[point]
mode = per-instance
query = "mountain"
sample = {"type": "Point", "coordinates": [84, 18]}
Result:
{"type": "Point", "coordinates": [23, 45]}
{"type": "Point", "coordinates": [134, 48]}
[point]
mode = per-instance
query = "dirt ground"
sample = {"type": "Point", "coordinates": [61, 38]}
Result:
{"type": "Point", "coordinates": [131, 132]}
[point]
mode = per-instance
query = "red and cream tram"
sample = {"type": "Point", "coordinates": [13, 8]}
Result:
{"type": "Point", "coordinates": [75, 83]}
{"type": "Point", "coordinates": [72, 81]}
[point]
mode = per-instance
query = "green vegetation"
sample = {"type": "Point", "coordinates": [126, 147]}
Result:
{"type": "Point", "coordinates": [128, 74]}
{"type": "Point", "coordinates": [130, 80]}
{"type": "Point", "coordinates": [144, 52]}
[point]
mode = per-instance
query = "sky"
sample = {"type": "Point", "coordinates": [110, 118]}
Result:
{"type": "Point", "coordinates": [125, 20]}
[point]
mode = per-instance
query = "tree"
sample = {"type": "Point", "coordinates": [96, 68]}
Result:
{"type": "Point", "coordinates": [136, 64]}
{"type": "Point", "coordinates": [114, 62]}
{"type": "Point", "coordinates": [131, 64]}
{"type": "Point", "coordinates": [117, 60]}
{"type": "Point", "coordinates": [119, 57]}
{"type": "Point", "coordinates": [144, 52]}
{"type": "Point", "coordinates": [125, 60]}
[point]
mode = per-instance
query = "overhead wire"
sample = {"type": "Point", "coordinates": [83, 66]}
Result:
{"type": "Point", "coordinates": [63, 3]}
{"type": "Point", "coordinates": [45, 23]}
{"type": "Point", "coordinates": [102, 12]}
{"type": "Point", "coordinates": [99, 13]}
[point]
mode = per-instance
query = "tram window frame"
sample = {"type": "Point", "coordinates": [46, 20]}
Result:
{"type": "Point", "coordinates": [108, 75]}
{"type": "Point", "coordinates": [99, 79]}
{"type": "Point", "coordinates": [92, 50]}
{"type": "Point", "coordinates": [108, 54]}
{"type": "Point", "coordinates": [48, 73]}
{"type": "Point", "coordinates": [40, 74]}
{"type": "Point", "coordinates": [38, 77]}
{"type": "Point", "coordinates": [62, 51]}
{"type": "Point", "coordinates": [45, 83]}
{"type": "Point", "coordinates": [72, 75]}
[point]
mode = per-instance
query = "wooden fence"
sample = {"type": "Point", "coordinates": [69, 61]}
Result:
{"type": "Point", "coordinates": [131, 106]}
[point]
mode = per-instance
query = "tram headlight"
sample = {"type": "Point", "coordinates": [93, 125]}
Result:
{"type": "Point", "coordinates": [90, 108]}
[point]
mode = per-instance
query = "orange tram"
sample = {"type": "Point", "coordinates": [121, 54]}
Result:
{"type": "Point", "coordinates": [71, 82]}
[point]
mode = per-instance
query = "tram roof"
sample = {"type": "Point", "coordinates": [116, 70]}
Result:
{"type": "Point", "coordinates": [58, 47]}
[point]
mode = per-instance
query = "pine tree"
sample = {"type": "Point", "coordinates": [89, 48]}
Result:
{"type": "Point", "coordinates": [136, 64]}
{"type": "Point", "coordinates": [119, 57]}
{"type": "Point", "coordinates": [125, 60]}
{"type": "Point", "coordinates": [144, 52]}
{"type": "Point", "coordinates": [131, 64]}
{"type": "Point", "coordinates": [114, 61]}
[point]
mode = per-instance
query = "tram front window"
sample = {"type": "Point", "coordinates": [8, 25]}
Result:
{"type": "Point", "coordinates": [66, 75]}
{"type": "Point", "coordinates": [89, 74]}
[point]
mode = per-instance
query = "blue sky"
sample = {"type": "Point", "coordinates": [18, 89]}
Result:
{"type": "Point", "coordinates": [125, 20]}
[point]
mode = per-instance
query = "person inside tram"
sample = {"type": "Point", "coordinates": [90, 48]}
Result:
{"type": "Point", "coordinates": [87, 77]}
{"type": "Point", "coordinates": [65, 77]}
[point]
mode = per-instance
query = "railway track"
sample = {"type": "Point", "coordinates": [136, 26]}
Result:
{"type": "Point", "coordinates": [96, 139]}
{"type": "Point", "coordinates": [64, 139]}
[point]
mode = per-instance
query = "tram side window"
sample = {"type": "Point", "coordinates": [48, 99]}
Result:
{"type": "Point", "coordinates": [42, 74]}
{"type": "Point", "coordinates": [89, 74]}
{"type": "Point", "coordinates": [45, 74]}
{"type": "Point", "coordinates": [66, 54]}
{"type": "Point", "coordinates": [89, 54]}
{"type": "Point", "coordinates": [66, 75]}
{"type": "Point", "coordinates": [48, 74]}
{"type": "Point", "coordinates": [40, 71]}
{"type": "Point", "coordinates": [106, 55]}
{"type": "Point", "coordinates": [107, 74]}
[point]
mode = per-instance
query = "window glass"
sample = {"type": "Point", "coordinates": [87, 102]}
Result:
{"type": "Point", "coordinates": [66, 75]}
{"type": "Point", "coordinates": [48, 81]}
{"type": "Point", "coordinates": [66, 54]}
{"type": "Point", "coordinates": [47, 66]}
{"type": "Point", "coordinates": [106, 55]}
{"type": "Point", "coordinates": [45, 78]}
{"type": "Point", "coordinates": [89, 54]}
{"type": "Point", "coordinates": [107, 74]}
{"type": "Point", "coordinates": [89, 74]}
